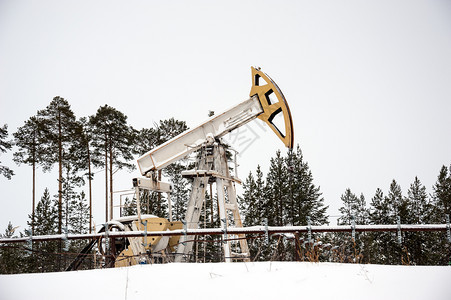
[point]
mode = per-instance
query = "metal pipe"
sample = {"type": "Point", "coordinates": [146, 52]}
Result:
{"type": "Point", "coordinates": [231, 230]}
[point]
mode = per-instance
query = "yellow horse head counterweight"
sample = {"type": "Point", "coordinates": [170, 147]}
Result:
{"type": "Point", "coordinates": [273, 107]}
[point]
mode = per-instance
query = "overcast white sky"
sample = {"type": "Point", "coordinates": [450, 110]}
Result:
{"type": "Point", "coordinates": [368, 82]}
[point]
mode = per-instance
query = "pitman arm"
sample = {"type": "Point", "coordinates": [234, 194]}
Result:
{"type": "Point", "coordinates": [261, 104]}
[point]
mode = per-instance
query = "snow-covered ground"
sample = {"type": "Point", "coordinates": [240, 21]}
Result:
{"type": "Point", "coordinates": [259, 280]}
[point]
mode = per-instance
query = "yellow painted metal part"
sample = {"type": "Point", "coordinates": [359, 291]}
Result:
{"type": "Point", "coordinates": [153, 224]}
{"type": "Point", "coordinates": [265, 88]}
{"type": "Point", "coordinates": [127, 257]}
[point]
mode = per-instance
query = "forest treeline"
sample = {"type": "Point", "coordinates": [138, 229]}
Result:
{"type": "Point", "coordinates": [287, 195]}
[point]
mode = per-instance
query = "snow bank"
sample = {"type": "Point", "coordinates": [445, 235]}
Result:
{"type": "Point", "coordinates": [260, 280]}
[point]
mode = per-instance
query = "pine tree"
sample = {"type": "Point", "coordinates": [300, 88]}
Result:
{"type": "Point", "coordinates": [419, 212]}
{"type": "Point", "coordinates": [277, 196]}
{"type": "Point", "coordinates": [394, 251]}
{"type": "Point", "coordinates": [419, 207]}
{"type": "Point", "coordinates": [442, 195]}
{"type": "Point", "coordinates": [45, 222]}
{"type": "Point", "coordinates": [11, 258]}
{"type": "Point", "coordinates": [277, 202]}
{"type": "Point", "coordinates": [253, 208]}
{"type": "Point", "coordinates": [353, 208]}
{"type": "Point", "coordinates": [82, 158]}
{"type": "Point", "coordinates": [153, 203]}
{"type": "Point", "coordinates": [385, 247]}
{"type": "Point", "coordinates": [78, 220]}
{"type": "Point", "coordinates": [288, 196]}
{"type": "Point", "coordinates": [5, 145]}
{"type": "Point", "coordinates": [30, 140]}
{"type": "Point", "coordinates": [260, 192]}
{"type": "Point", "coordinates": [441, 203]}
{"type": "Point", "coordinates": [59, 132]}
{"type": "Point", "coordinates": [379, 214]}
{"type": "Point", "coordinates": [71, 180]}
{"type": "Point", "coordinates": [168, 129]}
{"type": "Point", "coordinates": [398, 204]}
{"type": "Point", "coordinates": [248, 201]}
{"type": "Point", "coordinates": [250, 207]}
{"type": "Point", "coordinates": [354, 211]}
{"type": "Point", "coordinates": [306, 198]}
{"type": "Point", "coordinates": [147, 139]}
{"type": "Point", "coordinates": [129, 208]}
{"type": "Point", "coordinates": [380, 209]}
{"type": "Point", "coordinates": [113, 139]}
{"type": "Point", "coordinates": [348, 199]}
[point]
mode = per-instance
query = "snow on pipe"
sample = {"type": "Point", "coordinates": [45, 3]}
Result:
{"type": "Point", "coordinates": [231, 230]}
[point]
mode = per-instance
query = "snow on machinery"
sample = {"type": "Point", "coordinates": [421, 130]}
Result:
{"type": "Point", "coordinates": [267, 103]}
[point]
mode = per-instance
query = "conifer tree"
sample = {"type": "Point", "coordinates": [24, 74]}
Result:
{"type": "Point", "coordinates": [5, 145]}
{"type": "Point", "coordinates": [59, 132]}
{"type": "Point", "coordinates": [168, 129]}
{"type": "Point", "coordinates": [419, 212]}
{"type": "Point", "coordinates": [129, 208]}
{"type": "Point", "coordinates": [288, 196]}
{"type": "Point", "coordinates": [113, 139]}
{"type": "Point", "coordinates": [277, 204]}
{"type": "Point", "coordinates": [442, 195]}
{"type": "Point", "coordinates": [306, 198]}
{"type": "Point", "coordinates": [250, 208]}
{"type": "Point", "coordinates": [71, 180]}
{"type": "Point", "coordinates": [354, 211]}
{"type": "Point", "coordinates": [147, 139]}
{"type": "Point", "coordinates": [419, 207]}
{"type": "Point", "coordinates": [78, 220]}
{"type": "Point", "coordinates": [260, 192]}
{"type": "Point", "coordinates": [379, 214]}
{"type": "Point", "coordinates": [380, 209]}
{"type": "Point", "coordinates": [11, 257]}
{"type": "Point", "coordinates": [353, 207]}
{"type": "Point", "coordinates": [383, 211]}
{"type": "Point", "coordinates": [398, 208]}
{"type": "Point", "coordinates": [154, 203]}
{"type": "Point", "coordinates": [441, 204]}
{"type": "Point", "coordinates": [248, 202]}
{"type": "Point", "coordinates": [277, 200]}
{"type": "Point", "coordinates": [398, 204]}
{"type": "Point", "coordinates": [30, 140]}
{"type": "Point", "coordinates": [253, 208]}
{"type": "Point", "coordinates": [82, 159]}
{"type": "Point", "coordinates": [45, 223]}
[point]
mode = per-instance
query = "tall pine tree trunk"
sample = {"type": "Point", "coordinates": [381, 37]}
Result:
{"type": "Point", "coordinates": [90, 190]}
{"type": "Point", "coordinates": [111, 180]}
{"type": "Point", "coordinates": [60, 176]}
{"type": "Point", "coordinates": [34, 195]}
{"type": "Point", "coordinates": [106, 178]}
{"type": "Point", "coordinates": [60, 187]}
{"type": "Point", "coordinates": [34, 182]}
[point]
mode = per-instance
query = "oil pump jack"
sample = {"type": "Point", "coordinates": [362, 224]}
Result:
{"type": "Point", "coordinates": [267, 103]}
